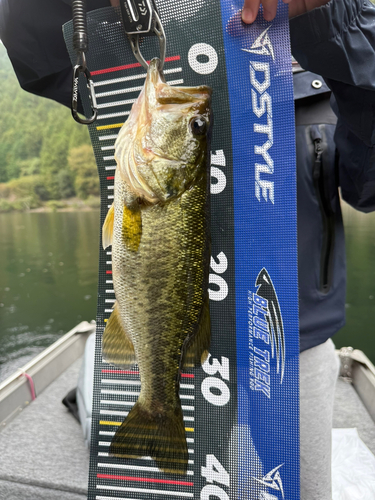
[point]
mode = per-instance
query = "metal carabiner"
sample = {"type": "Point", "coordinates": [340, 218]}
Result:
{"type": "Point", "coordinates": [142, 19]}
{"type": "Point", "coordinates": [80, 45]}
{"type": "Point", "coordinates": [81, 67]}
{"type": "Point", "coordinates": [159, 32]}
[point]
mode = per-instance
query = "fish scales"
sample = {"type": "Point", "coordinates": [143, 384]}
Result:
{"type": "Point", "coordinates": [160, 287]}
{"type": "Point", "coordinates": [159, 230]}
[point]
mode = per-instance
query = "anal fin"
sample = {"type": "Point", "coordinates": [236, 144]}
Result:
{"type": "Point", "coordinates": [117, 348]}
{"type": "Point", "coordinates": [196, 351]}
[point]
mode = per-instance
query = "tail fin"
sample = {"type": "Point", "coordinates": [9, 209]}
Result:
{"type": "Point", "coordinates": [161, 437]}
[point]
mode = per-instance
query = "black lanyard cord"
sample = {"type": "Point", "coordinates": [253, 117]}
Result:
{"type": "Point", "coordinates": [80, 38]}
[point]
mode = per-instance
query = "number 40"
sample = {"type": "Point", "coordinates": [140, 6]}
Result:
{"type": "Point", "coordinates": [214, 472]}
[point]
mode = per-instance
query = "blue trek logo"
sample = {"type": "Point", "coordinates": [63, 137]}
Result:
{"type": "Point", "coordinates": [266, 333]}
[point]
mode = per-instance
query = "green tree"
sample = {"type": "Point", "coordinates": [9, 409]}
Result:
{"type": "Point", "coordinates": [65, 182]}
{"type": "Point", "coordinates": [81, 161]}
{"type": "Point", "coordinates": [4, 148]}
{"type": "Point", "coordinates": [53, 159]}
{"type": "Point", "coordinates": [36, 137]}
{"type": "Point", "coordinates": [30, 167]}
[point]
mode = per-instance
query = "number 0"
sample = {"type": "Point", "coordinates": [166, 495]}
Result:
{"type": "Point", "coordinates": [203, 49]}
{"type": "Point", "coordinates": [210, 383]}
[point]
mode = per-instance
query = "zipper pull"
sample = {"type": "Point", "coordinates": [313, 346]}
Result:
{"type": "Point", "coordinates": [318, 158]}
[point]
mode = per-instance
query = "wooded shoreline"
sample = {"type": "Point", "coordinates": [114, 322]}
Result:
{"type": "Point", "coordinates": [46, 158]}
{"type": "Point", "coordinates": [67, 205]}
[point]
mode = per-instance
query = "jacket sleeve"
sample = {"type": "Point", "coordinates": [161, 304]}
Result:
{"type": "Point", "coordinates": [31, 31]}
{"type": "Point", "coordinates": [337, 41]}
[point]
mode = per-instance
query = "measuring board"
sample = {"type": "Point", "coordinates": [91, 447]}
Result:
{"type": "Point", "coordinates": [240, 408]}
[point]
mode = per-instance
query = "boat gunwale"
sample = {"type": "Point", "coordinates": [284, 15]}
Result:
{"type": "Point", "coordinates": [357, 369]}
{"type": "Point", "coordinates": [16, 392]}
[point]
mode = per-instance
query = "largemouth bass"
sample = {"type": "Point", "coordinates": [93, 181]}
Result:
{"type": "Point", "coordinates": [158, 226]}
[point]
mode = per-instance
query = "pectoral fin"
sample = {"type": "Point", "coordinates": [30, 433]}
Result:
{"type": "Point", "coordinates": [107, 233]}
{"type": "Point", "coordinates": [117, 348]}
{"type": "Point", "coordinates": [197, 350]}
{"type": "Point", "coordinates": [132, 227]}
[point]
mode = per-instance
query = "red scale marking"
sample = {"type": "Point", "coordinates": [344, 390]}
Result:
{"type": "Point", "coordinates": [129, 66]}
{"type": "Point", "coordinates": [108, 272]}
{"type": "Point", "coordinates": [144, 479]}
{"type": "Point", "coordinates": [110, 178]}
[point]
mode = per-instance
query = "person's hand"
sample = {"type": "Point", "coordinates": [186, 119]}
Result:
{"type": "Point", "coordinates": [114, 3]}
{"type": "Point", "coordinates": [296, 7]}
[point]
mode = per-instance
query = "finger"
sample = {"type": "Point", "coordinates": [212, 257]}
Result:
{"type": "Point", "coordinates": [269, 9]}
{"type": "Point", "coordinates": [250, 11]}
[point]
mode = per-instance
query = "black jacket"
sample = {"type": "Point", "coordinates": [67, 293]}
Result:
{"type": "Point", "coordinates": [336, 41]}
{"type": "Point", "coordinates": [31, 31]}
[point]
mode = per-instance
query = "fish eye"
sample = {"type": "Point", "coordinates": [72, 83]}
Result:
{"type": "Point", "coordinates": [198, 125]}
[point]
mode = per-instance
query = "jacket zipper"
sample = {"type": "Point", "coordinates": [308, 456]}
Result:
{"type": "Point", "coordinates": [328, 219]}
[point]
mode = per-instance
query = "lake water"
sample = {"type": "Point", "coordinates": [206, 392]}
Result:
{"type": "Point", "coordinates": [359, 331]}
{"type": "Point", "coordinates": [48, 281]}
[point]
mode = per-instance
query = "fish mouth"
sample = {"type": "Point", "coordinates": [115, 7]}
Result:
{"type": "Point", "coordinates": [134, 150]}
{"type": "Point", "coordinates": [197, 98]}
